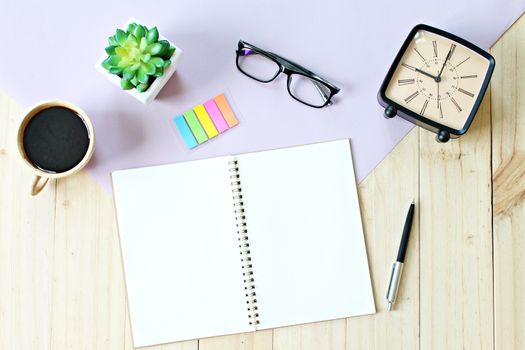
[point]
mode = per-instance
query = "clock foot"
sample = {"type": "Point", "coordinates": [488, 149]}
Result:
{"type": "Point", "coordinates": [390, 112]}
{"type": "Point", "coordinates": [443, 136]}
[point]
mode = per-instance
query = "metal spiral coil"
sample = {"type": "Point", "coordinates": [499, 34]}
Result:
{"type": "Point", "coordinates": [244, 244]}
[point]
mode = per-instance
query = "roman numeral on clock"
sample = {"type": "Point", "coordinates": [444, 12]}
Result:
{"type": "Point", "coordinates": [456, 104]}
{"type": "Point", "coordinates": [435, 44]}
{"type": "Point", "coordinates": [424, 107]}
{"type": "Point", "coordinates": [402, 82]}
{"type": "Point", "coordinates": [411, 97]}
{"type": "Point", "coordinates": [408, 66]}
{"type": "Point", "coordinates": [466, 92]}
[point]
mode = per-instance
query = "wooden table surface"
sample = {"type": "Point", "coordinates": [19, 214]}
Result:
{"type": "Point", "coordinates": [62, 284]}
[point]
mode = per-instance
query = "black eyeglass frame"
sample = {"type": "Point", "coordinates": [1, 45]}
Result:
{"type": "Point", "coordinates": [289, 68]}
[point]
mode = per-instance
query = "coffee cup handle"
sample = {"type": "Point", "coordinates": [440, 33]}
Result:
{"type": "Point", "coordinates": [36, 188]}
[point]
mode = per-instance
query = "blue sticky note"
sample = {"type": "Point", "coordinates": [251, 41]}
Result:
{"type": "Point", "coordinates": [185, 131]}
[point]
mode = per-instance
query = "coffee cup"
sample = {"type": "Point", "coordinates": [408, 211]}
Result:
{"type": "Point", "coordinates": [55, 139]}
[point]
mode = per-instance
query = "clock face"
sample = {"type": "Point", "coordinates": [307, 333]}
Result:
{"type": "Point", "coordinates": [439, 79]}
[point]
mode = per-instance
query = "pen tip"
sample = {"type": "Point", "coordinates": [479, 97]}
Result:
{"type": "Point", "coordinates": [389, 308]}
{"type": "Point", "coordinates": [413, 201]}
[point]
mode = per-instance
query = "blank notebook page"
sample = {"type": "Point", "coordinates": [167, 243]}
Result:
{"type": "Point", "coordinates": [305, 232]}
{"type": "Point", "coordinates": [180, 251]}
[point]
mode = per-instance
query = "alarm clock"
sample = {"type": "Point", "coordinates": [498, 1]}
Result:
{"type": "Point", "coordinates": [437, 81]}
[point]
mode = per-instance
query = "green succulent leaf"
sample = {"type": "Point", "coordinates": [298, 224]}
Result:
{"type": "Point", "coordinates": [167, 63]}
{"type": "Point", "coordinates": [143, 44]}
{"type": "Point", "coordinates": [112, 41]}
{"type": "Point", "coordinates": [125, 84]}
{"type": "Point", "coordinates": [165, 47]}
{"type": "Point", "coordinates": [167, 55]}
{"type": "Point", "coordinates": [131, 27]}
{"type": "Point", "coordinates": [135, 81]}
{"type": "Point", "coordinates": [121, 36]}
{"type": "Point", "coordinates": [131, 43]}
{"type": "Point", "coordinates": [132, 39]}
{"type": "Point", "coordinates": [154, 49]}
{"type": "Point", "coordinates": [134, 67]}
{"type": "Point", "coordinates": [139, 32]}
{"type": "Point", "coordinates": [115, 70]}
{"type": "Point", "coordinates": [157, 61]}
{"type": "Point", "coordinates": [112, 60]}
{"type": "Point", "coordinates": [159, 72]}
{"type": "Point", "coordinates": [128, 74]}
{"type": "Point", "coordinates": [143, 87]}
{"type": "Point", "coordinates": [146, 58]}
{"type": "Point", "coordinates": [142, 76]}
{"type": "Point", "coordinates": [121, 51]}
{"type": "Point", "coordinates": [148, 68]}
{"type": "Point", "coordinates": [153, 35]}
{"type": "Point", "coordinates": [106, 65]}
{"type": "Point", "coordinates": [110, 50]}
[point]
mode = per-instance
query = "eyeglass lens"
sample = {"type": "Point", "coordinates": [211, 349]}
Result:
{"type": "Point", "coordinates": [308, 90]}
{"type": "Point", "coordinates": [257, 66]}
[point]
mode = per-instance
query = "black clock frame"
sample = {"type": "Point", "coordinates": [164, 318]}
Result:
{"type": "Point", "coordinates": [444, 133]}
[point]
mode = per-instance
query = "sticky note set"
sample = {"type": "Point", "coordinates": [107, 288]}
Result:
{"type": "Point", "coordinates": [205, 121]}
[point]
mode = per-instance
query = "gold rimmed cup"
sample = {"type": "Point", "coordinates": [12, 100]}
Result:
{"type": "Point", "coordinates": [55, 139]}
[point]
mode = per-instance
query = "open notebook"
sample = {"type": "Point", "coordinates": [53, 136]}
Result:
{"type": "Point", "coordinates": [242, 243]}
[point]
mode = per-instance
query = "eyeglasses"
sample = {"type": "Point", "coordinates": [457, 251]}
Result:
{"type": "Point", "coordinates": [303, 85]}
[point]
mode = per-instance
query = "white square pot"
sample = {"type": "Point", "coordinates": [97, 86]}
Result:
{"type": "Point", "coordinates": [155, 87]}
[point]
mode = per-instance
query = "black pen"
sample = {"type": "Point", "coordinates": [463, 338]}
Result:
{"type": "Point", "coordinates": [397, 267]}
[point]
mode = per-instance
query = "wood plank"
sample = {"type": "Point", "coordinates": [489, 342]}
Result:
{"type": "Point", "coordinates": [186, 345]}
{"type": "Point", "coordinates": [88, 305]}
{"type": "Point", "coordinates": [456, 239]}
{"type": "Point", "coordinates": [385, 196]}
{"type": "Point", "coordinates": [260, 340]}
{"type": "Point", "coordinates": [26, 244]}
{"type": "Point", "coordinates": [321, 335]}
{"type": "Point", "coordinates": [508, 164]}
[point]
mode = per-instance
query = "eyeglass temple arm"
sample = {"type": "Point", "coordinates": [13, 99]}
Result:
{"type": "Point", "coordinates": [321, 92]}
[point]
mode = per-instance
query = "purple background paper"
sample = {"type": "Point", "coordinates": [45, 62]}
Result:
{"type": "Point", "coordinates": [49, 50]}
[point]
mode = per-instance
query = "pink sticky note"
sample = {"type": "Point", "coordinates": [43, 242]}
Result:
{"type": "Point", "coordinates": [216, 115]}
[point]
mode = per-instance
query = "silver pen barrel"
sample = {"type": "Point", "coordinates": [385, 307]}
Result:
{"type": "Point", "coordinates": [393, 284]}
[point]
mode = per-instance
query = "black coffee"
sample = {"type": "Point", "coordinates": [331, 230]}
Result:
{"type": "Point", "coordinates": [56, 139]}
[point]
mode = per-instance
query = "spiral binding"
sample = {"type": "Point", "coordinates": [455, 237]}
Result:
{"type": "Point", "coordinates": [244, 244]}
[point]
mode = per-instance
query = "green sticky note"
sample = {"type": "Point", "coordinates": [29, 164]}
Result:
{"type": "Point", "coordinates": [195, 126]}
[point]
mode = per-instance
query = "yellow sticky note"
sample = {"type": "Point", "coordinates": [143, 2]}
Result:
{"type": "Point", "coordinates": [205, 121]}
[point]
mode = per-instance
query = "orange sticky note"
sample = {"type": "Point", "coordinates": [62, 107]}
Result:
{"type": "Point", "coordinates": [226, 110]}
{"type": "Point", "coordinates": [205, 120]}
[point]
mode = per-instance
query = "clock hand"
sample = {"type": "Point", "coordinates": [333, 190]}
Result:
{"type": "Point", "coordinates": [427, 74]}
{"type": "Point", "coordinates": [444, 64]}
{"type": "Point", "coordinates": [437, 99]}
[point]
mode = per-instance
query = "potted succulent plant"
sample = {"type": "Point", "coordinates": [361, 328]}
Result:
{"type": "Point", "coordinates": [139, 60]}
